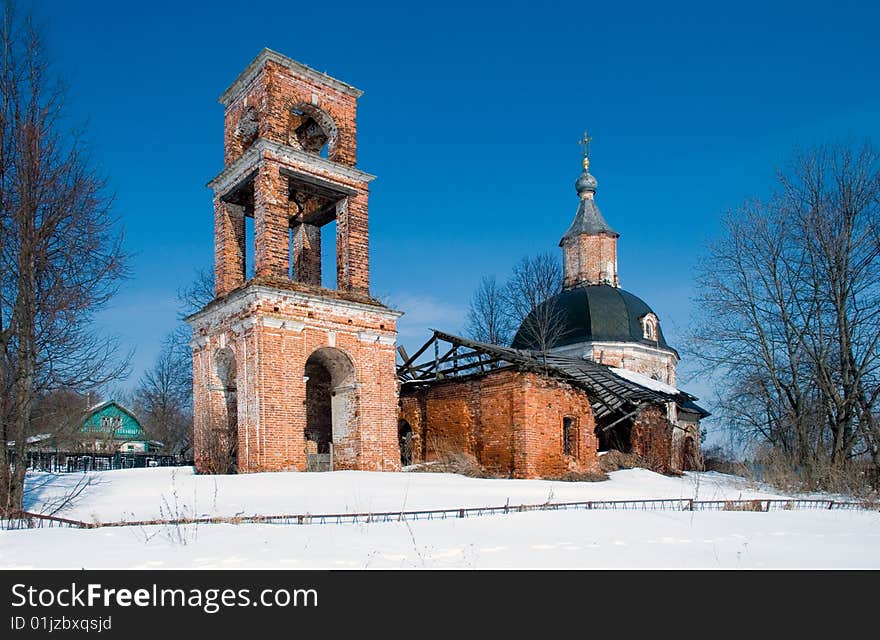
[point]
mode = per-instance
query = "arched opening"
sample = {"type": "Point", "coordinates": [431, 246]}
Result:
{"type": "Point", "coordinates": [313, 130]}
{"type": "Point", "coordinates": [569, 436]}
{"type": "Point", "coordinates": [405, 440]}
{"type": "Point", "coordinates": [331, 410]}
{"type": "Point", "coordinates": [223, 444]}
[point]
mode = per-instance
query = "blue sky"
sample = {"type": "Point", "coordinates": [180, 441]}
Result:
{"type": "Point", "coordinates": [470, 120]}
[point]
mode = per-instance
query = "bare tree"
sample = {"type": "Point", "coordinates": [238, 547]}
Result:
{"type": "Point", "coordinates": [164, 393]}
{"type": "Point", "coordinates": [164, 396]}
{"type": "Point", "coordinates": [197, 293]}
{"type": "Point", "coordinates": [489, 318]}
{"type": "Point", "coordinates": [531, 300]}
{"type": "Point", "coordinates": [60, 249]}
{"type": "Point", "coordinates": [833, 196]}
{"type": "Point", "coordinates": [60, 412]}
{"type": "Point", "coordinates": [789, 311]}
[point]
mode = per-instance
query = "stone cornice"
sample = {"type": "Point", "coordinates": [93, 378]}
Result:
{"type": "Point", "coordinates": [247, 161]}
{"type": "Point", "coordinates": [623, 346]}
{"type": "Point", "coordinates": [238, 300]}
{"type": "Point", "coordinates": [297, 68]}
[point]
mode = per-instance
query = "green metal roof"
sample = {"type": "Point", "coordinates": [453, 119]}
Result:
{"type": "Point", "coordinates": [597, 313]}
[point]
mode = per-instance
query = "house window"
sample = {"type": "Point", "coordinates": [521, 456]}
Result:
{"type": "Point", "coordinates": [111, 423]}
{"type": "Point", "coordinates": [569, 436]}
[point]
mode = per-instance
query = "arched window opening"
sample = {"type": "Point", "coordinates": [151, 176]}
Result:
{"type": "Point", "coordinates": [312, 130]}
{"type": "Point", "coordinates": [331, 407]}
{"type": "Point", "coordinates": [223, 443]}
{"type": "Point", "coordinates": [649, 327]}
{"type": "Point", "coordinates": [569, 436]}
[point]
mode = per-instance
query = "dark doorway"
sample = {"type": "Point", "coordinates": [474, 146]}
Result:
{"type": "Point", "coordinates": [224, 444]}
{"type": "Point", "coordinates": [319, 411]}
{"type": "Point", "coordinates": [331, 403]}
{"type": "Point", "coordinates": [618, 437]}
{"type": "Point", "coordinates": [405, 439]}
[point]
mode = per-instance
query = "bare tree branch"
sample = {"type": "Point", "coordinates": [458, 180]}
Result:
{"type": "Point", "coordinates": [61, 251]}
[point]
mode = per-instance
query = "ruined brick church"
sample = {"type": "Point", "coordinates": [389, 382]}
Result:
{"type": "Point", "coordinates": [290, 375]}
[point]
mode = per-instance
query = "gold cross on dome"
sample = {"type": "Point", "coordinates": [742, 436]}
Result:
{"type": "Point", "coordinates": [584, 143]}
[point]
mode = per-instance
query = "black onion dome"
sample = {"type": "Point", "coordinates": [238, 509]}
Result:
{"type": "Point", "coordinates": [596, 312]}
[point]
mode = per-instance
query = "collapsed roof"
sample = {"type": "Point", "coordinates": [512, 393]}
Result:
{"type": "Point", "coordinates": [611, 395]}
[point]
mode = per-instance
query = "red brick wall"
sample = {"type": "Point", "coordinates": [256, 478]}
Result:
{"type": "Point", "coordinates": [273, 94]}
{"type": "Point", "coordinates": [307, 253]}
{"type": "Point", "coordinates": [273, 324]}
{"type": "Point", "coordinates": [590, 259]}
{"type": "Point", "coordinates": [651, 438]}
{"type": "Point", "coordinates": [271, 221]}
{"type": "Point", "coordinates": [272, 335]}
{"type": "Point", "coordinates": [540, 441]}
{"type": "Point", "coordinates": [229, 247]}
{"type": "Point", "coordinates": [510, 421]}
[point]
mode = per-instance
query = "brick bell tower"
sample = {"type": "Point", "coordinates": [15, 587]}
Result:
{"type": "Point", "coordinates": [289, 375]}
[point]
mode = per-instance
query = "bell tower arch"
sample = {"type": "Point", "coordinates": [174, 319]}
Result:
{"type": "Point", "coordinates": [290, 150]}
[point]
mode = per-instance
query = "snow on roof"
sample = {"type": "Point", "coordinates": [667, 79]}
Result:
{"type": "Point", "coordinates": [645, 381]}
{"type": "Point", "coordinates": [101, 405]}
{"type": "Point", "coordinates": [106, 403]}
{"type": "Point", "coordinates": [40, 437]}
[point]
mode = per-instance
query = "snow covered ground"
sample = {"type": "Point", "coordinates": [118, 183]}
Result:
{"type": "Point", "coordinates": [573, 539]}
{"type": "Point", "coordinates": [144, 494]}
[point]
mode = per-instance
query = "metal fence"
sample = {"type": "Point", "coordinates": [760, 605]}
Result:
{"type": "Point", "coordinates": [79, 461]}
{"type": "Point", "coordinates": [26, 520]}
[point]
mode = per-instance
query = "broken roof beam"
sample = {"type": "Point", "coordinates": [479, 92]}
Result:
{"type": "Point", "coordinates": [409, 361]}
{"type": "Point", "coordinates": [609, 394]}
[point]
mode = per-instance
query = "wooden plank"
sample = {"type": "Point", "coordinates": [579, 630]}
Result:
{"type": "Point", "coordinates": [424, 348]}
{"type": "Point", "coordinates": [619, 420]}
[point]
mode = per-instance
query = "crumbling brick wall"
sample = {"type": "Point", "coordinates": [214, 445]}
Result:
{"type": "Point", "coordinates": [511, 422]}
{"type": "Point", "coordinates": [686, 450]}
{"type": "Point", "coordinates": [651, 438]}
{"type": "Point", "coordinates": [539, 443]}
{"type": "Point", "coordinates": [279, 115]}
{"type": "Point", "coordinates": [265, 108]}
{"type": "Point", "coordinates": [270, 95]}
{"type": "Point", "coordinates": [590, 259]}
{"type": "Point", "coordinates": [272, 334]}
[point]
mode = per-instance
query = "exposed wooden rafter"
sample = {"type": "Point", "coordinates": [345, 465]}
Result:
{"type": "Point", "coordinates": [610, 395]}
